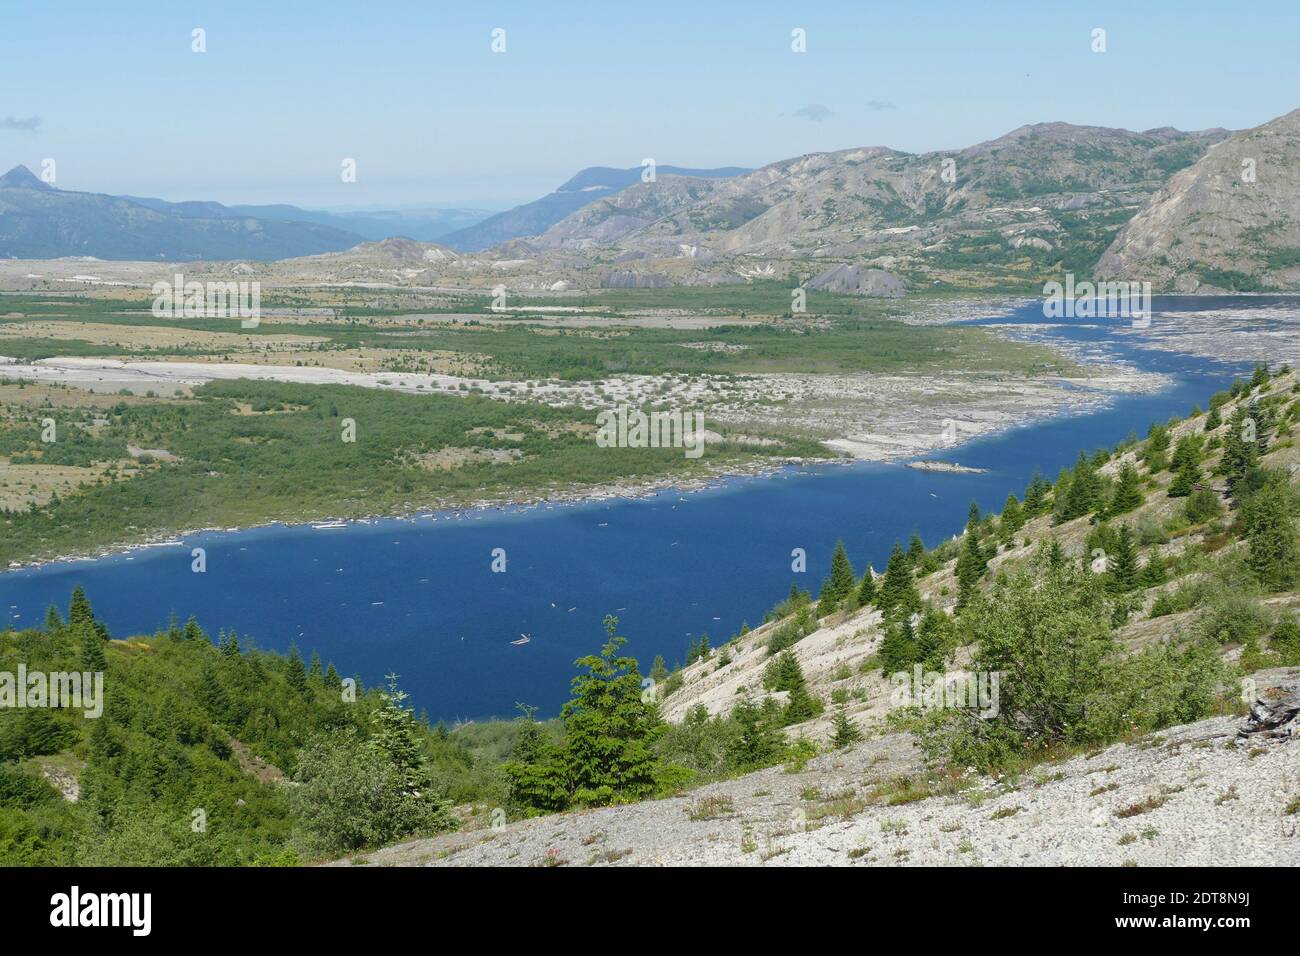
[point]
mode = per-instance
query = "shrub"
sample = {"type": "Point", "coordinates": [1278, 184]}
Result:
{"type": "Point", "coordinates": [1063, 678]}
{"type": "Point", "coordinates": [1202, 505]}
{"type": "Point", "coordinates": [351, 795]}
{"type": "Point", "coordinates": [792, 631]}
{"type": "Point", "coordinates": [1286, 640]}
{"type": "Point", "coordinates": [708, 748]}
{"type": "Point", "coordinates": [1233, 618]}
{"type": "Point", "coordinates": [19, 789]}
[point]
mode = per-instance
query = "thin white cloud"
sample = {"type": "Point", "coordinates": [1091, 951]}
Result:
{"type": "Point", "coordinates": [814, 112]}
{"type": "Point", "coordinates": [880, 105]}
{"type": "Point", "coordinates": [27, 124]}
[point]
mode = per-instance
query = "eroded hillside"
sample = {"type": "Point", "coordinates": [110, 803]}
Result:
{"type": "Point", "coordinates": [1230, 222]}
{"type": "Point", "coordinates": [842, 654]}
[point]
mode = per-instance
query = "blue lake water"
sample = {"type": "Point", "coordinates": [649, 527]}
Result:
{"type": "Point", "coordinates": [418, 596]}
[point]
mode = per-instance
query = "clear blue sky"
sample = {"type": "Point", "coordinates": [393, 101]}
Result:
{"type": "Point", "coordinates": [412, 91]}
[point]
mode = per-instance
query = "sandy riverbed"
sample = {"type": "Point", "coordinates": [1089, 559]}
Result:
{"type": "Point", "coordinates": [867, 416]}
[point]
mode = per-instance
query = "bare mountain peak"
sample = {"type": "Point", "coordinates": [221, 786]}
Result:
{"type": "Point", "coordinates": [1055, 130]}
{"type": "Point", "coordinates": [398, 249]}
{"type": "Point", "coordinates": [1228, 222]}
{"type": "Point", "coordinates": [1071, 134]}
{"type": "Point", "coordinates": [20, 177]}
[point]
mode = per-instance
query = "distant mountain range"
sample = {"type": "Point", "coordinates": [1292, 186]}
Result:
{"type": "Point", "coordinates": [534, 218]}
{"type": "Point", "coordinates": [1046, 196]}
{"type": "Point", "coordinates": [1189, 211]}
{"type": "Point", "coordinates": [38, 221]}
{"type": "Point", "coordinates": [421, 224]}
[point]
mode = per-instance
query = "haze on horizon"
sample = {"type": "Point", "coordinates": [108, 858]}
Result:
{"type": "Point", "coordinates": [415, 94]}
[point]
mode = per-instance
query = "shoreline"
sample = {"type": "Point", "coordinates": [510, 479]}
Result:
{"type": "Point", "coordinates": [1109, 381]}
{"type": "Point", "coordinates": [626, 491]}
{"type": "Point", "coordinates": [629, 491]}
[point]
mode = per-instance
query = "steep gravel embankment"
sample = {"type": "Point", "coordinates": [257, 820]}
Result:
{"type": "Point", "coordinates": [1186, 796]}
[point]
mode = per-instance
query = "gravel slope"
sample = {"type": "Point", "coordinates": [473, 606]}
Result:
{"type": "Point", "coordinates": [1187, 796]}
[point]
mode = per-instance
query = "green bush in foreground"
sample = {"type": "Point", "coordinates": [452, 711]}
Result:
{"type": "Point", "coordinates": [351, 794]}
{"type": "Point", "coordinates": [1064, 679]}
{"type": "Point", "coordinates": [607, 752]}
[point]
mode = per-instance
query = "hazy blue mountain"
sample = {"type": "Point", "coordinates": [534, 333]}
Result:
{"type": "Point", "coordinates": [421, 224]}
{"type": "Point", "coordinates": [534, 218]}
{"type": "Point", "coordinates": [38, 221]}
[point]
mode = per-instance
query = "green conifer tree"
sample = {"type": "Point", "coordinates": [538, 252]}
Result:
{"type": "Point", "coordinates": [936, 638]}
{"type": "Point", "coordinates": [800, 705]}
{"type": "Point", "coordinates": [826, 603]}
{"type": "Point", "coordinates": [394, 735]}
{"type": "Point", "coordinates": [295, 672]}
{"type": "Point", "coordinates": [897, 592]}
{"type": "Point", "coordinates": [1123, 563]}
{"type": "Point", "coordinates": [1240, 450]}
{"type": "Point", "coordinates": [1012, 520]}
{"type": "Point", "coordinates": [915, 551]}
{"type": "Point", "coordinates": [1156, 451]}
{"type": "Point", "coordinates": [867, 589]}
{"type": "Point", "coordinates": [1128, 491]}
{"type": "Point", "coordinates": [535, 773]}
{"type": "Point", "coordinates": [212, 694]}
{"type": "Point", "coordinates": [609, 729]}
{"type": "Point", "coordinates": [92, 651]}
{"type": "Point", "coordinates": [1080, 493]}
{"type": "Point", "coordinates": [79, 612]}
{"type": "Point", "coordinates": [843, 576]}
{"type": "Point", "coordinates": [1186, 466]}
{"type": "Point", "coordinates": [1269, 518]}
{"type": "Point", "coordinates": [846, 732]}
{"type": "Point", "coordinates": [1036, 495]}
{"type": "Point", "coordinates": [758, 741]}
{"type": "Point", "coordinates": [971, 565]}
{"type": "Point", "coordinates": [1153, 573]}
{"type": "Point", "coordinates": [898, 650]}
{"type": "Point", "coordinates": [1263, 418]}
{"type": "Point", "coordinates": [103, 745]}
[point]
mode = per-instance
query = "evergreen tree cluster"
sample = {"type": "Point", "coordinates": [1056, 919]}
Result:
{"type": "Point", "coordinates": [184, 723]}
{"type": "Point", "coordinates": [783, 673]}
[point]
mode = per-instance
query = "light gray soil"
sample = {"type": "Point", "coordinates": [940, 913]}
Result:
{"type": "Point", "coordinates": [1184, 797]}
